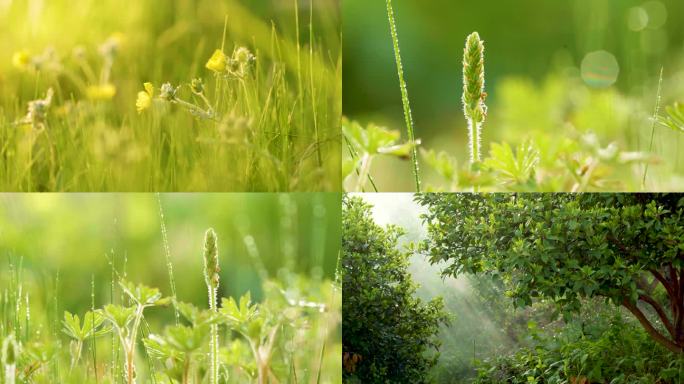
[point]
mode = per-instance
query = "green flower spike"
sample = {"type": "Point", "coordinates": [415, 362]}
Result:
{"type": "Point", "coordinates": [211, 262]}
{"type": "Point", "coordinates": [474, 95]}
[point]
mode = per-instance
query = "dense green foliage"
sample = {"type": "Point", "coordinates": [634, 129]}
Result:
{"type": "Point", "coordinates": [597, 347]}
{"type": "Point", "coordinates": [627, 249]}
{"type": "Point", "coordinates": [183, 95]}
{"type": "Point", "coordinates": [388, 334]}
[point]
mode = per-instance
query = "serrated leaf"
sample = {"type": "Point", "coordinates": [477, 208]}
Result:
{"type": "Point", "coordinates": [513, 168]}
{"type": "Point", "coordinates": [119, 316]}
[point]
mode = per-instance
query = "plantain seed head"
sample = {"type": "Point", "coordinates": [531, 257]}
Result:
{"type": "Point", "coordinates": [211, 262]}
{"type": "Point", "coordinates": [473, 79]}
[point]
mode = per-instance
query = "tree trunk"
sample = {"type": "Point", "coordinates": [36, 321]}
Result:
{"type": "Point", "coordinates": [650, 329]}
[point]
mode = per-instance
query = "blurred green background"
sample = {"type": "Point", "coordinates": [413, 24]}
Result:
{"type": "Point", "coordinates": [162, 40]}
{"type": "Point", "coordinates": [526, 42]}
{"type": "Point", "coordinates": [76, 235]}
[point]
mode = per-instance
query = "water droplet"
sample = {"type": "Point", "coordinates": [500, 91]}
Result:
{"type": "Point", "coordinates": [637, 19]}
{"type": "Point", "coordinates": [600, 69]}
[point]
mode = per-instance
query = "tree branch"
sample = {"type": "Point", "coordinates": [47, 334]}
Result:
{"type": "Point", "coordinates": [657, 336]}
{"type": "Point", "coordinates": [661, 313]}
{"type": "Point", "coordinates": [675, 281]}
{"type": "Point", "coordinates": [663, 281]}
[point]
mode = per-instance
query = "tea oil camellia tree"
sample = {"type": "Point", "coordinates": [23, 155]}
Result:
{"type": "Point", "coordinates": [626, 248]}
{"type": "Point", "coordinates": [389, 336]}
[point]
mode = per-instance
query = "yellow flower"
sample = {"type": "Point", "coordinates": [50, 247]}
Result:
{"type": "Point", "coordinates": [101, 92]}
{"type": "Point", "coordinates": [21, 59]}
{"type": "Point", "coordinates": [149, 88]}
{"type": "Point", "coordinates": [217, 62]}
{"type": "Point", "coordinates": [144, 100]}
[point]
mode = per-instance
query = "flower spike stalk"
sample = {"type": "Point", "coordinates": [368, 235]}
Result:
{"type": "Point", "coordinates": [211, 277]}
{"type": "Point", "coordinates": [474, 108]}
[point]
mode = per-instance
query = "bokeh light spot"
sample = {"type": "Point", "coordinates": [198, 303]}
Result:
{"type": "Point", "coordinates": [657, 13]}
{"type": "Point", "coordinates": [637, 19]}
{"type": "Point", "coordinates": [600, 69]}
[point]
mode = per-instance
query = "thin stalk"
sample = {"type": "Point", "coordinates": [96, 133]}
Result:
{"type": "Point", "coordinates": [656, 111]}
{"type": "Point", "coordinates": [27, 329]}
{"type": "Point", "coordinates": [77, 356]}
{"type": "Point", "coordinates": [363, 172]}
{"type": "Point", "coordinates": [311, 85]}
{"type": "Point", "coordinates": [320, 363]}
{"type": "Point", "coordinates": [299, 59]}
{"type": "Point", "coordinates": [404, 94]}
{"type": "Point", "coordinates": [130, 347]}
{"type": "Point", "coordinates": [186, 370]}
{"type": "Point", "coordinates": [214, 347]}
{"type": "Point", "coordinates": [355, 155]}
{"type": "Point", "coordinates": [10, 373]}
{"type": "Point", "coordinates": [92, 338]}
{"type": "Point", "coordinates": [167, 256]}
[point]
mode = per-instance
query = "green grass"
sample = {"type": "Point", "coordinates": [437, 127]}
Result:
{"type": "Point", "coordinates": [268, 125]}
{"type": "Point", "coordinates": [285, 329]}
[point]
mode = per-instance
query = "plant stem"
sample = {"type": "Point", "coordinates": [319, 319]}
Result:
{"type": "Point", "coordinates": [653, 125]}
{"type": "Point", "coordinates": [213, 346]}
{"type": "Point", "coordinates": [404, 94]}
{"type": "Point", "coordinates": [167, 255]}
{"type": "Point", "coordinates": [10, 373]}
{"type": "Point", "coordinates": [130, 346]}
{"type": "Point", "coordinates": [363, 172]}
{"type": "Point", "coordinates": [74, 359]}
{"type": "Point", "coordinates": [311, 85]}
{"type": "Point", "coordinates": [186, 370]}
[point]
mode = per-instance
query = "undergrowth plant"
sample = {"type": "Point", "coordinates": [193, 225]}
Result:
{"type": "Point", "coordinates": [274, 340]}
{"type": "Point", "coordinates": [126, 321]}
{"type": "Point", "coordinates": [574, 157]}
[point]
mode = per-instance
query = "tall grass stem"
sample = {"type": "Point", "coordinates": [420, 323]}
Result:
{"type": "Point", "coordinates": [404, 95]}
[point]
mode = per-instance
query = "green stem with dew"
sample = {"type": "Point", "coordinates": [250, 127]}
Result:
{"type": "Point", "coordinates": [404, 94]}
{"type": "Point", "coordinates": [656, 111]}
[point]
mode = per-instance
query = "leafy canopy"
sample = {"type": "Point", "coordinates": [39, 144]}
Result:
{"type": "Point", "coordinates": [626, 248]}
{"type": "Point", "coordinates": [387, 332]}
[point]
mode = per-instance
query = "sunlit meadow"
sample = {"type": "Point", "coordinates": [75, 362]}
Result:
{"type": "Point", "coordinates": [183, 95]}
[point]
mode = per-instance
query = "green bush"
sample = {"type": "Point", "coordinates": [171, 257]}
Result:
{"type": "Point", "coordinates": [388, 334]}
{"type": "Point", "coordinates": [612, 351]}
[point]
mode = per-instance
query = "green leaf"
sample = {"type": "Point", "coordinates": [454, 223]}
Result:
{"type": "Point", "coordinates": [186, 339]}
{"type": "Point", "coordinates": [119, 316]}
{"type": "Point", "coordinates": [143, 294]}
{"type": "Point", "coordinates": [675, 117]}
{"type": "Point", "coordinates": [513, 168]}
{"type": "Point", "coordinates": [240, 313]}
{"type": "Point", "coordinates": [374, 139]}
{"type": "Point", "coordinates": [72, 326]}
{"type": "Point", "coordinates": [92, 322]}
{"type": "Point", "coordinates": [445, 165]}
